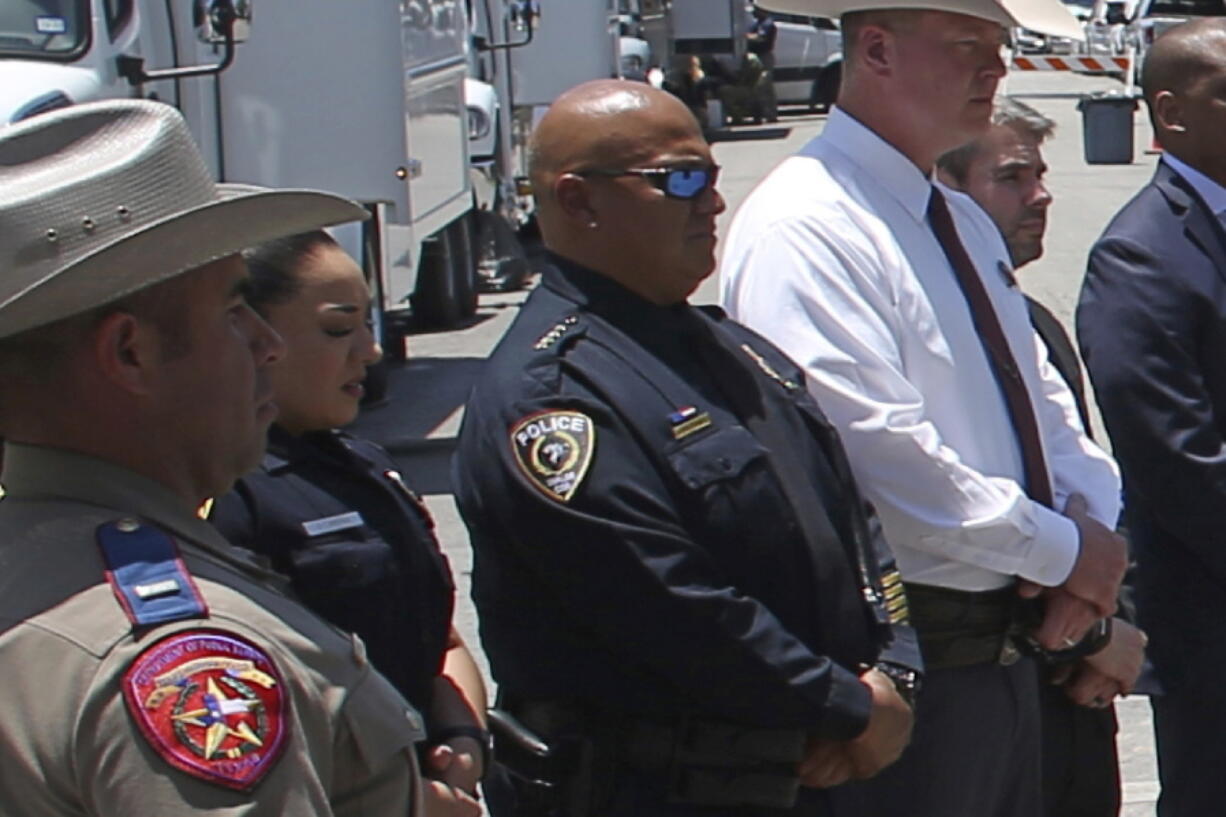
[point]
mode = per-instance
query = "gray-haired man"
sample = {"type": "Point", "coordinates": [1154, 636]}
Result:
{"type": "Point", "coordinates": [1003, 171]}
{"type": "Point", "coordinates": [150, 668]}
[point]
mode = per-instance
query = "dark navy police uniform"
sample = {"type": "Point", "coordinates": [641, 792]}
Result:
{"type": "Point", "coordinates": [333, 513]}
{"type": "Point", "coordinates": [676, 577]}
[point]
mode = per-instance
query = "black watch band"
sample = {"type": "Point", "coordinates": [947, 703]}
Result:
{"type": "Point", "coordinates": [906, 680]}
{"type": "Point", "coordinates": [465, 730]}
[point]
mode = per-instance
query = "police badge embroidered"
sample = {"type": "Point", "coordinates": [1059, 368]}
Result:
{"type": "Point", "coordinates": [554, 450]}
{"type": "Point", "coordinates": [211, 704]}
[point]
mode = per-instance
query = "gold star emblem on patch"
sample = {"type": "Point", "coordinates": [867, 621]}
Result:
{"type": "Point", "coordinates": [553, 449]}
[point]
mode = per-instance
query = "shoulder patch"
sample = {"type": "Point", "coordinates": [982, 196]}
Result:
{"type": "Point", "coordinates": [211, 704]}
{"type": "Point", "coordinates": [554, 450]}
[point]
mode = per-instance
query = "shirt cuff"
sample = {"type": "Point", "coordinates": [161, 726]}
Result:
{"type": "Point", "coordinates": [847, 708]}
{"type": "Point", "coordinates": [1053, 550]}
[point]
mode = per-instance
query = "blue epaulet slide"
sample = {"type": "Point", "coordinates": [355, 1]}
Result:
{"type": "Point", "coordinates": [149, 579]}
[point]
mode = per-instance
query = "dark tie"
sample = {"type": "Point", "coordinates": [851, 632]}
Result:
{"type": "Point", "coordinates": [1000, 357]}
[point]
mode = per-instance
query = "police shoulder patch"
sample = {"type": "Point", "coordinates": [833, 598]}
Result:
{"type": "Point", "coordinates": [554, 449]}
{"type": "Point", "coordinates": [211, 704]}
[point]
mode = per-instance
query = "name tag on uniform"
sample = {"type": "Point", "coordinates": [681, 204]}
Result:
{"type": "Point", "coordinates": [331, 524]}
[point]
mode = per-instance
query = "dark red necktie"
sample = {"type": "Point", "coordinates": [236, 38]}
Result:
{"type": "Point", "coordinates": [1000, 357]}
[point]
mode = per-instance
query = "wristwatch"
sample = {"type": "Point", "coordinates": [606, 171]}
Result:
{"type": "Point", "coordinates": [906, 680]}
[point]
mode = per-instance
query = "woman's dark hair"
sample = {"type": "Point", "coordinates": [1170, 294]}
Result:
{"type": "Point", "coordinates": [274, 267]}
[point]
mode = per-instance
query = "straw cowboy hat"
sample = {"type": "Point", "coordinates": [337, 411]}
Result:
{"type": "Point", "coordinates": [100, 200]}
{"type": "Point", "coordinates": [1044, 16]}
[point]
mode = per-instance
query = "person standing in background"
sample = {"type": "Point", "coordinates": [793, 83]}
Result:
{"type": "Point", "coordinates": [1003, 171]}
{"type": "Point", "coordinates": [761, 38]}
{"type": "Point", "coordinates": [1152, 325]}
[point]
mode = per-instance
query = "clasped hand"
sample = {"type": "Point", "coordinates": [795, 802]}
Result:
{"type": "Point", "coordinates": [1092, 587]}
{"type": "Point", "coordinates": [831, 762]}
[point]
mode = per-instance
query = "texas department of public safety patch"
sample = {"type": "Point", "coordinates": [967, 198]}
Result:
{"type": "Point", "coordinates": [211, 704]}
{"type": "Point", "coordinates": [554, 450]}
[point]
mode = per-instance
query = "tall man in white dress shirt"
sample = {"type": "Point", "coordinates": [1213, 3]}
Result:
{"type": "Point", "coordinates": [897, 297]}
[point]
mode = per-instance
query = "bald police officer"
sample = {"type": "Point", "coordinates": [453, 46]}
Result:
{"type": "Point", "coordinates": [149, 668]}
{"type": "Point", "coordinates": [681, 590]}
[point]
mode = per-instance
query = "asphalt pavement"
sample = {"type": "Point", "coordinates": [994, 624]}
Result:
{"type": "Point", "coordinates": [419, 421]}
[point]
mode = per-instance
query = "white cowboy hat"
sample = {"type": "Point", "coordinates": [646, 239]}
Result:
{"type": "Point", "coordinates": [100, 200]}
{"type": "Point", "coordinates": [1044, 16]}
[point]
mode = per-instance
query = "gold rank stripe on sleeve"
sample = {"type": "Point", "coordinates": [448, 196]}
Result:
{"type": "Point", "coordinates": [895, 597]}
{"type": "Point", "coordinates": [898, 611]}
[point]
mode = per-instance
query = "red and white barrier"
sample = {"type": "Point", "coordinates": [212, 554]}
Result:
{"type": "Point", "coordinates": [1071, 62]}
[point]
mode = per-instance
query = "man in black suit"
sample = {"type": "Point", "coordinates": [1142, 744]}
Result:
{"type": "Point", "coordinates": [1152, 327]}
{"type": "Point", "coordinates": [1003, 170]}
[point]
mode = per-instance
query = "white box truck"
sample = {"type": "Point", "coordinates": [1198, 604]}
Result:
{"type": "Point", "coordinates": [530, 52]}
{"type": "Point", "coordinates": [362, 97]}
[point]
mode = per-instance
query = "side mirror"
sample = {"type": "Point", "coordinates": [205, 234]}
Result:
{"type": "Point", "coordinates": [219, 21]}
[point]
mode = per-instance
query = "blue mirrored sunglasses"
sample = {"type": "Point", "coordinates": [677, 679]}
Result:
{"type": "Point", "coordinates": [675, 182]}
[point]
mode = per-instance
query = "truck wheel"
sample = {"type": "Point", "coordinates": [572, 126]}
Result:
{"type": "Point", "coordinates": [375, 385]}
{"type": "Point", "coordinates": [502, 265]}
{"type": "Point", "coordinates": [463, 240]}
{"type": "Point", "coordinates": [826, 87]}
{"type": "Point", "coordinates": [446, 290]}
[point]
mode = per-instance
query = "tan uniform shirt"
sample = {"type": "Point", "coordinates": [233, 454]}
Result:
{"type": "Point", "coordinates": [69, 745]}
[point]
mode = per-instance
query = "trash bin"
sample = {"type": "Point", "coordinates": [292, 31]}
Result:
{"type": "Point", "coordinates": [1106, 125]}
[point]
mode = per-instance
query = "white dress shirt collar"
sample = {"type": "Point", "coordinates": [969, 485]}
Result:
{"type": "Point", "coordinates": [1213, 193]}
{"type": "Point", "coordinates": [896, 174]}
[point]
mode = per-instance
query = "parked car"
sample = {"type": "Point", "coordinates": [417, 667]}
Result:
{"type": "Point", "coordinates": [1152, 17]}
{"type": "Point", "coordinates": [808, 59]}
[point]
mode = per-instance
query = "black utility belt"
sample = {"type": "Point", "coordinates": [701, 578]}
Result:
{"type": "Point", "coordinates": [713, 763]}
{"type": "Point", "coordinates": [706, 763]}
{"type": "Point", "coordinates": [961, 628]}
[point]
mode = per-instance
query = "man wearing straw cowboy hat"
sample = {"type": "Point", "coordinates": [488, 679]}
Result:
{"type": "Point", "coordinates": [896, 295]}
{"type": "Point", "coordinates": [148, 667]}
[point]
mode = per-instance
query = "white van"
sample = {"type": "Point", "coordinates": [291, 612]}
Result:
{"type": "Point", "coordinates": [808, 59]}
{"type": "Point", "coordinates": [808, 50]}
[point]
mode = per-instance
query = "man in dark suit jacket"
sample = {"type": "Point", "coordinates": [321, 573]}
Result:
{"type": "Point", "coordinates": [1003, 171]}
{"type": "Point", "coordinates": [1152, 327]}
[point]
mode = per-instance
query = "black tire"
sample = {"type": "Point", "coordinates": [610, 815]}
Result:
{"type": "Point", "coordinates": [460, 233]}
{"type": "Point", "coordinates": [502, 264]}
{"type": "Point", "coordinates": [375, 385]}
{"type": "Point", "coordinates": [446, 290]}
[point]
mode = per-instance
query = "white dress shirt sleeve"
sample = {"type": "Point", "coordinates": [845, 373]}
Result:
{"type": "Point", "coordinates": [823, 294]}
